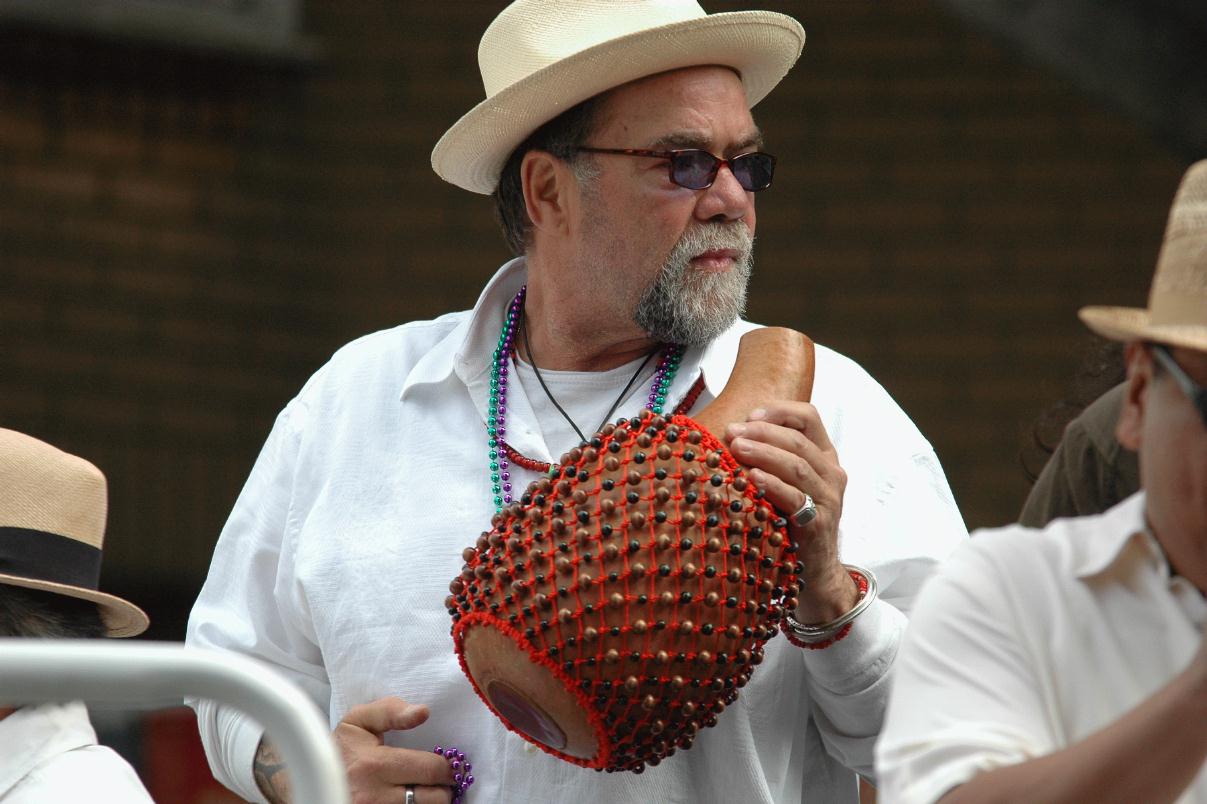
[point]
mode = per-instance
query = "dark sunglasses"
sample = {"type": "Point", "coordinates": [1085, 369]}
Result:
{"type": "Point", "coordinates": [697, 170]}
{"type": "Point", "coordinates": [1196, 392]}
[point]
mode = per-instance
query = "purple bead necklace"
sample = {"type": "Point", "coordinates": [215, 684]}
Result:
{"type": "Point", "coordinates": [462, 778]}
{"type": "Point", "coordinates": [496, 417]}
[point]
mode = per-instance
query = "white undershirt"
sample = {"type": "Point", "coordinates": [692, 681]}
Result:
{"type": "Point", "coordinates": [585, 395]}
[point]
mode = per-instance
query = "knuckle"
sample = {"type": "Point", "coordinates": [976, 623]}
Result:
{"type": "Point", "coordinates": [433, 770]}
{"type": "Point", "coordinates": [810, 415]}
{"type": "Point", "coordinates": [756, 430]}
{"type": "Point", "coordinates": [367, 765]}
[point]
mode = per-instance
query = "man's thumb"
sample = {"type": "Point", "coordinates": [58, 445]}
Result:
{"type": "Point", "coordinates": [386, 714]}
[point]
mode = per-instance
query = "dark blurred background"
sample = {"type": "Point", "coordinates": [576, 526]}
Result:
{"type": "Point", "coordinates": [200, 201]}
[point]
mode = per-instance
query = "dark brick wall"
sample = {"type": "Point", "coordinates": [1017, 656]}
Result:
{"type": "Point", "coordinates": [183, 239]}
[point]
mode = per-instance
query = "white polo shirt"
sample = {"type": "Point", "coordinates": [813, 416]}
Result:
{"type": "Point", "coordinates": [49, 754]}
{"type": "Point", "coordinates": [1028, 641]}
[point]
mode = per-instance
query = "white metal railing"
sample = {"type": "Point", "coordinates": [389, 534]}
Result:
{"type": "Point", "coordinates": [141, 673]}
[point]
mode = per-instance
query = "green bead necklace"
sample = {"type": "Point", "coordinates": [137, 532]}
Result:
{"type": "Point", "coordinates": [501, 455]}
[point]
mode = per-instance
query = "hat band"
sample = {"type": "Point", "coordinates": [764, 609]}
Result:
{"type": "Point", "coordinates": [41, 556]}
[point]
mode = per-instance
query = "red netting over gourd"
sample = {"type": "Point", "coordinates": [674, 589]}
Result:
{"type": "Point", "coordinates": [640, 582]}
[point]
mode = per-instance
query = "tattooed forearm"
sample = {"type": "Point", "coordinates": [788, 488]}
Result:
{"type": "Point", "coordinates": [270, 774]}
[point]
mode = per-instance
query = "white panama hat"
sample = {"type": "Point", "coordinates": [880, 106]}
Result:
{"type": "Point", "coordinates": [1177, 303]}
{"type": "Point", "coordinates": [541, 57]}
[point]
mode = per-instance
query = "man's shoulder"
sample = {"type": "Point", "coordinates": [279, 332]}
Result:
{"type": "Point", "coordinates": [1066, 547]}
{"type": "Point", "coordinates": [1017, 547]}
{"type": "Point", "coordinates": [58, 759]}
{"type": "Point", "coordinates": [385, 355]}
{"type": "Point", "coordinates": [999, 570]}
{"type": "Point", "coordinates": [842, 370]}
{"type": "Point", "coordinates": [367, 373]}
{"type": "Point", "coordinates": [93, 773]}
{"type": "Point", "coordinates": [405, 342]}
{"type": "Point", "coordinates": [859, 409]}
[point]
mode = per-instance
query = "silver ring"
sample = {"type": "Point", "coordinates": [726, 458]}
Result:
{"type": "Point", "coordinates": [410, 799]}
{"type": "Point", "coordinates": [806, 514]}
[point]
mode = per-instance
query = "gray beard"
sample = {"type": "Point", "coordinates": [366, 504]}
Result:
{"type": "Point", "coordinates": [691, 307]}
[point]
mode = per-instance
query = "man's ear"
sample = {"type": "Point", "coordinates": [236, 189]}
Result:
{"type": "Point", "coordinates": [1135, 395]}
{"type": "Point", "coordinates": [546, 181]}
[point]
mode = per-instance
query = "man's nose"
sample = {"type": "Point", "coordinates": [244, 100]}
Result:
{"type": "Point", "coordinates": [725, 199]}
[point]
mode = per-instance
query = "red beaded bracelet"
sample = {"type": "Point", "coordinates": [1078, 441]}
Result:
{"type": "Point", "coordinates": [792, 629]}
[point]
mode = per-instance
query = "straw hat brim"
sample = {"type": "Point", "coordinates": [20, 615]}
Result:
{"type": "Point", "coordinates": [121, 618]}
{"type": "Point", "coordinates": [1135, 324]}
{"type": "Point", "coordinates": [761, 45]}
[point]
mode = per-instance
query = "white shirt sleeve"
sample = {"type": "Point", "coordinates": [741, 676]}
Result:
{"type": "Point", "coordinates": [248, 602]}
{"type": "Point", "coordinates": [903, 534]}
{"type": "Point", "coordinates": [966, 697]}
{"type": "Point", "coordinates": [848, 685]}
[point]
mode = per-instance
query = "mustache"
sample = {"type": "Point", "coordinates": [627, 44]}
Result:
{"type": "Point", "coordinates": [712, 236]}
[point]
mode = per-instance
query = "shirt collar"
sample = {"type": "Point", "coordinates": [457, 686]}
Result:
{"type": "Point", "coordinates": [1105, 537]}
{"type": "Point", "coordinates": [34, 734]}
{"type": "Point", "coordinates": [467, 349]}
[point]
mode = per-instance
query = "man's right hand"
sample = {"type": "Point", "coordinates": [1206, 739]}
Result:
{"type": "Point", "coordinates": [377, 773]}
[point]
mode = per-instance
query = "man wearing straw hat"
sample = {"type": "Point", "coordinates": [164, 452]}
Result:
{"type": "Point", "coordinates": [52, 529]}
{"type": "Point", "coordinates": [1070, 664]}
{"type": "Point", "coordinates": [618, 143]}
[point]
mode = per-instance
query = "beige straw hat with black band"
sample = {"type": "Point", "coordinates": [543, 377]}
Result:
{"type": "Point", "coordinates": [1177, 303]}
{"type": "Point", "coordinates": [541, 57]}
{"type": "Point", "coordinates": [52, 527]}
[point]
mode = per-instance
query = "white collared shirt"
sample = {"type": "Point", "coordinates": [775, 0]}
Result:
{"type": "Point", "coordinates": [48, 754]}
{"type": "Point", "coordinates": [1028, 641]}
{"type": "Point", "coordinates": [335, 563]}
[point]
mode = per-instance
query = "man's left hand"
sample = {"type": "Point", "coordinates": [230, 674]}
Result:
{"type": "Point", "coordinates": [790, 455]}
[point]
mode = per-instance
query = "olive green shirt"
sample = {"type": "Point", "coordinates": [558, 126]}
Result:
{"type": "Point", "coordinates": [1089, 471]}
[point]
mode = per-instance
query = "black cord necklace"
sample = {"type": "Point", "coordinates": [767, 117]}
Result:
{"type": "Point", "coordinates": [628, 386]}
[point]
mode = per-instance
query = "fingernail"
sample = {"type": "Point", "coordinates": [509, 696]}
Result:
{"type": "Point", "coordinates": [757, 413]}
{"type": "Point", "coordinates": [737, 429]}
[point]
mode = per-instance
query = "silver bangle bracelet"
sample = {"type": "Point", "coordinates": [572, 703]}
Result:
{"type": "Point", "coordinates": [820, 633]}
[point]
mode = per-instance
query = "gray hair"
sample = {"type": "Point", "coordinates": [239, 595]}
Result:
{"type": "Point", "coordinates": [692, 307]}
{"type": "Point", "coordinates": [561, 137]}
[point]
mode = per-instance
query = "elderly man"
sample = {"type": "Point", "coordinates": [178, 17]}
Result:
{"type": "Point", "coordinates": [1070, 664]}
{"type": "Point", "coordinates": [618, 142]}
{"type": "Point", "coordinates": [52, 529]}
